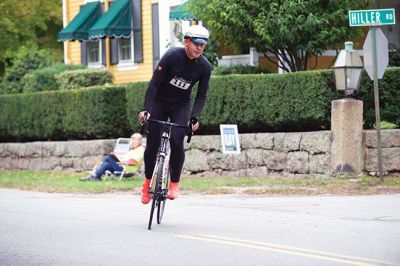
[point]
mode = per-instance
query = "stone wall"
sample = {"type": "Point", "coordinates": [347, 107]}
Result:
{"type": "Point", "coordinates": [276, 154]}
{"type": "Point", "coordinates": [262, 154]}
{"type": "Point", "coordinates": [390, 145]}
{"type": "Point", "coordinates": [58, 156]}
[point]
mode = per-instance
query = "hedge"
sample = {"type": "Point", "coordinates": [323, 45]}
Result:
{"type": "Point", "coordinates": [237, 69]}
{"type": "Point", "coordinates": [44, 79]}
{"type": "Point", "coordinates": [62, 115]}
{"type": "Point", "coordinates": [134, 103]}
{"type": "Point", "coordinates": [257, 103]}
{"type": "Point", "coordinates": [83, 78]}
{"type": "Point", "coordinates": [389, 97]}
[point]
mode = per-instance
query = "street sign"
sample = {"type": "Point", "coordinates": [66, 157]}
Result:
{"type": "Point", "coordinates": [373, 17]}
{"type": "Point", "coordinates": [376, 56]}
{"type": "Point", "coordinates": [382, 54]}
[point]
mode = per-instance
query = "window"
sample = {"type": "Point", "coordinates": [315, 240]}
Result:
{"type": "Point", "coordinates": [125, 52]}
{"type": "Point", "coordinates": [93, 52]}
{"type": "Point", "coordinates": [125, 49]}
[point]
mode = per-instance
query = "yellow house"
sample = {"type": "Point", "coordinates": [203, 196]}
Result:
{"type": "Point", "coordinates": [117, 35]}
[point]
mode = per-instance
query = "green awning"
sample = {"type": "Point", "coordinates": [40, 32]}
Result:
{"type": "Point", "coordinates": [78, 28]}
{"type": "Point", "coordinates": [181, 12]}
{"type": "Point", "coordinates": [116, 22]}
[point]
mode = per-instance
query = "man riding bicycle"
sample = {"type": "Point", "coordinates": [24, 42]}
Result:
{"type": "Point", "coordinates": [169, 96]}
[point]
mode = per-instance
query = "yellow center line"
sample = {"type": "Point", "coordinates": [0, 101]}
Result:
{"type": "Point", "coordinates": [316, 254]}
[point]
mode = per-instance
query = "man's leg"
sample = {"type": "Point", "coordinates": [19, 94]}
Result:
{"type": "Point", "coordinates": [109, 164]}
{"type": "Point", "coordinates": [180, 116]}
{"type": "Point", "coordinates": [152, 145]}
{"type": "Point", "coordinates": [177, 153]}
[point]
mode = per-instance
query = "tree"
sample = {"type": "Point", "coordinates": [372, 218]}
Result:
{"type": "Point", "coordinates": [26, 21]}
{"type": "Point", "coordinates": [26, 59]}
{"type": "Point", "coordinates": [291, 30]}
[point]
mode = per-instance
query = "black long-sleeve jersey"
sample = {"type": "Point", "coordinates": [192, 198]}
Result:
{"type": "Point", "coordinates": [174, 78]}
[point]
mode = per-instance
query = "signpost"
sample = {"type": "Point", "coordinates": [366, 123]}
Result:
{"type": "Point", "coordinates": [376, 58]}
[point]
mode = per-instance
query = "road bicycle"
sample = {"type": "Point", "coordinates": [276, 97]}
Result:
{"type": "Point", "coordinates": [160, 179]}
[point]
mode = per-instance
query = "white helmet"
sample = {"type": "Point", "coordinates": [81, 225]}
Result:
{"type": "Point", "coordinates": [197, 33]}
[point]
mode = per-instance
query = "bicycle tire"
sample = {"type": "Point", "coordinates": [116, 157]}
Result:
{"type": "Point", "coordinates": [155, 199]}
{"type": "Point", "coordinates": [160, 210]}
{"type": "Point", "coordinates": [161, 205]}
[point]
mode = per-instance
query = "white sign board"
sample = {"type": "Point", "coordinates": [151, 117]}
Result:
{"type": "Point", "coordinates": [382, 54]}
{"type": "Point", "coordinates": [230, 139]}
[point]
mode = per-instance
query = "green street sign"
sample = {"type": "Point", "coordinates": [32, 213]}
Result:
{"type": "Point", "coordinates": [374, 17]}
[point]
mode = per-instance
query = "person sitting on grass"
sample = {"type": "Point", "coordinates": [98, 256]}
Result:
{"type": "Point", "coordinates": [113, 163]}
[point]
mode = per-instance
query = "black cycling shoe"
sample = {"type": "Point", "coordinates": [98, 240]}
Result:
{"type": "Point", "coordinates": [90, 178]}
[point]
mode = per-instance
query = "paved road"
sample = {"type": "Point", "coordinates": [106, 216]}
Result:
{"type": "Point", "coordinates": [111, 229]}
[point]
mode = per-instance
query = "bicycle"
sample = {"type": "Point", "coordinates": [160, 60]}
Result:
{"type": "Point", "coordinates": [160, 179]}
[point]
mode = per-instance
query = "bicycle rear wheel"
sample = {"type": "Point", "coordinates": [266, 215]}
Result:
{"type": "Point", "coordinates": [157, 189]}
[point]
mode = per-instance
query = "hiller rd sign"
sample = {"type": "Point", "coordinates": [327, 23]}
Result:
{"type": "Point", "coordinates": [375, 56]}
{"type": "Point", "coordinates": [374, 17]}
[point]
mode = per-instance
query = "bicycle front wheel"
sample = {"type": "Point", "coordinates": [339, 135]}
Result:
{"type": "Point", "coordinates": [160, 210]}
{"type": "Point", "coordinates": [163, 200]}
{"type": "Point", "coordinates": [157, 189]}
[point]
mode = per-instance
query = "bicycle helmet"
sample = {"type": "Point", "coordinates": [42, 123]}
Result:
{"type": "Point", "coordinates": [197, 34]}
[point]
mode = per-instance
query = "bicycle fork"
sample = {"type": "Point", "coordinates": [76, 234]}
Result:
{"type": "Point", "coordinates": [163, 158]}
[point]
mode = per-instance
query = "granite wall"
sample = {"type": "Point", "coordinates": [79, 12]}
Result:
{"type": "Point", "coordinates": [275, 154]}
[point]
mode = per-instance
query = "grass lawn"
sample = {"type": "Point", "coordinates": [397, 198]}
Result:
{"type": "Point", "coordinates": [69, 183]}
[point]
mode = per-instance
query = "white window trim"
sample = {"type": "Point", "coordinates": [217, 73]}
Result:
{"type": "Point", "coordinates": [64, 8]}
{"type": "Point", "coordinates": [129, 64]}
{"type": "Point", "coordinates": [100, 63]}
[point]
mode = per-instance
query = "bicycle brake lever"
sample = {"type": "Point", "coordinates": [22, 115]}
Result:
{"type": "Point", "coordinates": [189, 134]}
{"type": "Point", "coordinates": [142, 128]}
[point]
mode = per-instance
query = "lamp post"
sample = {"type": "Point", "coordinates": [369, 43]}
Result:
{"type": "Point", "coordinates": [347, 70]}
{"type": "Point", "coordinates": [346, 116]}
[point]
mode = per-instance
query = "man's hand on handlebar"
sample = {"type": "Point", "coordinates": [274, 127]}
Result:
{"type": "Point", "coordinates": [143, 116]}
{"type": "Point", "coordinates": [194, 123]}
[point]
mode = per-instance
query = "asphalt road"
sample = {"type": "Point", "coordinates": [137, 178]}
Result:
{"type": "Point", "coordinates": [111, 229]}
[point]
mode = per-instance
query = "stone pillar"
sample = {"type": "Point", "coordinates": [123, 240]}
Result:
{"type": "Point", "coordinates": [253, 57]}
{"type": "Point", "coordinates": [346, 128]}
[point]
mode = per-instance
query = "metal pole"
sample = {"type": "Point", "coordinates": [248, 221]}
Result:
{"type": "Point", "coordinates": [376, 96]}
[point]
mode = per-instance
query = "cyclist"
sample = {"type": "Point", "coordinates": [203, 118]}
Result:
{"type": "Point", "coordinates": [169, 95]}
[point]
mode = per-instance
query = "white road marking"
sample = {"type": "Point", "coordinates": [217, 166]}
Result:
{"type": "Point", "coordinates": [316, 254]}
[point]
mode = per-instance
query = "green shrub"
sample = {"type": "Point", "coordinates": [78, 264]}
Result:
{"type": "Point", "coordinates": [27, 59]}
{"type": "Point", "coordinates": [134, 102]}
{"type": "Point", "coordinates": [291, 102]}
{"type": "Point", "coordinates": [83, 78]}
{"type": "Point", "coordinates": [44, 79]}
{"type": "Point", "coordinates": [389, 97]}
{"type": "Point", "coordinates": [95, 113]}
{"type": "Point", "coordinates": [60, 115]}
{"type": "Point", "coordinates": [238, 69]}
